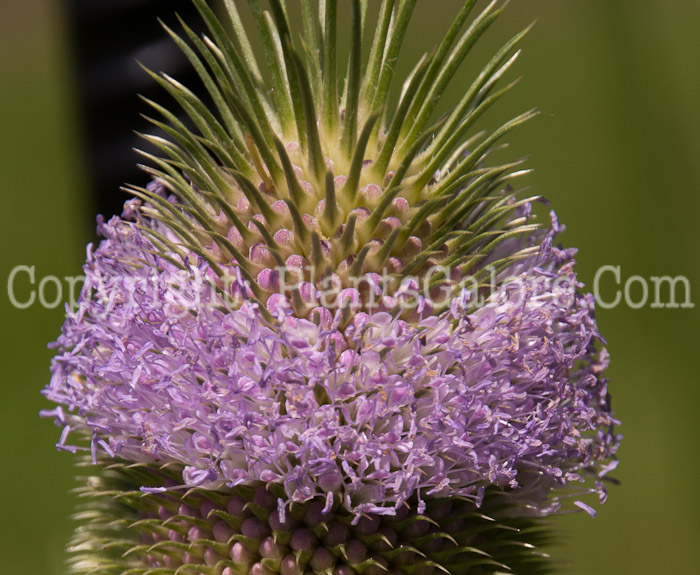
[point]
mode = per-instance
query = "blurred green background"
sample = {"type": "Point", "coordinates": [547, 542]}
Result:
{"type": "Point", "coordinates": [617, 151]}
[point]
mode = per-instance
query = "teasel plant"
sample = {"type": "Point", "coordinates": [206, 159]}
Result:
{"type": "Point", "coordinates": [331, 336]}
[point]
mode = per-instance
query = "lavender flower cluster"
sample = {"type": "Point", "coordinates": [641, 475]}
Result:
{"type": "Point", "coordinates": [373, 414]}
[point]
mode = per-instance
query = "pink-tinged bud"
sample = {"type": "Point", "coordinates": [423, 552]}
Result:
{"type": "Point", "coordinates": [195, 534]}
{"type": "Point", "coordinates": [337, 534]}
{"type": "Point", "coordinates": [362, 213]}
{"type": "Point", "coordinates": [163, 513]}
{"type": "Point", "coordinates": [303, 540]}
{"type": "Point", "coordinates": [189, 558]}
{"type": "Point", "coordinates": [278, 303]}
{"type": "Point", "coordinates": [260, 254]}
{"type": "Point", "coordinates": [440, 511]}
{"type": "Point", "coordinates": [356, 551]}
{"type": "Point", "coordinates": [387, 225]}
{"type": "Point", "coordinates": [270, 549]}
{"type": "Point", "coordinates": [281, 208]}
{"type": "Point", "coordinates": [322, 560]}
{"type": "Point", "coordinates": [330, 481]}
{"type": "Point", "coordinates": [394, 265]}
{"type": "Point", "coordinates": [412, 247]}
{"type": "Point", "coordinates": [315, 515]}
{"type": "Point", "coordinates": [289, 566]}
{"type": "Point", "coordinates": [236, 506]}
{"type": "Point", "coordinates": [296, 263]}
{"type": "Point", "coordinates": [222, 532]}
{"type": "Point", "coordinates": [243, 204]}
{"type": "Point", "coordinates": [188, 511]}
{"type": "Point", "coordinates": [307, 291]}
{"type": "Point", "coordinates": [234, 236]}
{"type": "Point", "coordinates": [402, 513]}
{"type": "Point", "coordinates": [438, 544]}
{"type": "Point", "coordinates": [269, 279]}
{"type": "Point", "coordinates": [207, 507]}
{"type": "Point", "coordinates": [416, 528]}
{"type": "Point", "coordinates": [255, 528]}
{"type": "Point", "coordinates": [308, 188]}
{"type": "Point", "coordinates": [264, 498]}
{"type": "Point", "coordinates": [276, 524]}
{"type": "Point", "coordinates": [241, 555]}
{"type": "Point", "coordinates": [310, 222]}
{"type": "Point", "coordinates": [284, 237]}
{"type": "Point", "coordinates": [371, 192]}
{"type": "Point", "coordinates": [400, 207]}
{"type": "Point", "coordinates": [322, 317]}
{"type": "Point", "coordinates": [320, 207]}
{"type": "Point", "coordinates": [260, 569]}
{"type": "Point", "coordinates": [211, 557]}
{"type": "Point", "coordinates": [367, 525]}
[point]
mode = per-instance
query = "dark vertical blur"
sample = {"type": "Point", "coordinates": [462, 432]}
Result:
{"type": "Point", "coordinates": [109, 37]}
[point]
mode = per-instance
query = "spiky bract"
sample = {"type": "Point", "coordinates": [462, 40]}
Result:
{"type": "Point", "coordinates": [203, 532]}
{"type": "Point", "coordinates": [303, 171]}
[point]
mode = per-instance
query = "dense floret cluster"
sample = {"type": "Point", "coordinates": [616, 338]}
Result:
{"type": "Point", "coordinates": [155, 366]}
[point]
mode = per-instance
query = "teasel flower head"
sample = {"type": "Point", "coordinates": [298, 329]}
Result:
{"type": "Point", "coordinates": [330, 336]}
